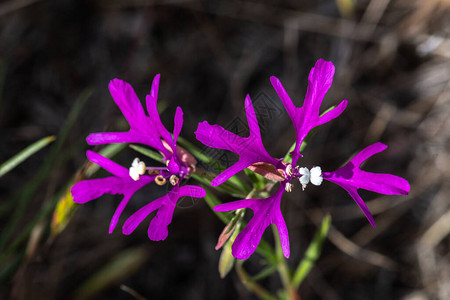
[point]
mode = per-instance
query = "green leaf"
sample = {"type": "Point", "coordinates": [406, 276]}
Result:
{"type": "Point", "coordinates": [226, 260]}
{"type": "Point", "coordinates": [312, 253]}
{"type": "Point", "coordinates": [147, 152]}
{"type": "Point", "coordinates": [29, 191]}
{"type": "Point", "coordinates": [259, 182]}
{"type": "Point", "coordinates": [230, 228]}
{"type": "Point", "coordinates": [226, 188]}
{"type": "Point", "coordinates": [269, 270]}
{"type": "Point", "coordinates": [118, 269]}
{"type": "Point", "coordinates": [24, 154]}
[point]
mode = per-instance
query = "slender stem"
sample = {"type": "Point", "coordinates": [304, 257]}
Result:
{"type": "Point", "coordinates": [250, 284]}
{"type": "Point", "coordinates": [283, 269]}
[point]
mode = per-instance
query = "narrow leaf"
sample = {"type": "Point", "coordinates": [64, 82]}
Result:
{"type": "Point", "coordinates": [147, 152]}
{"type": "Point", "coordinates": [312, 253]}
{"type": "Point", "coordinates": [227, 260]}
{"type": "Point", "coordinates": [24, 154]}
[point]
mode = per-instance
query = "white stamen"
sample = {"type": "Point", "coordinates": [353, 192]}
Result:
{"type": "Point", "coordinates": [289, 170]}
{"type": "Point", "coordinates": [137, 168]}
{"type": "Point", "coordinates": [288, 187]}
{"type": "Point", "coordinates": [173, 180]}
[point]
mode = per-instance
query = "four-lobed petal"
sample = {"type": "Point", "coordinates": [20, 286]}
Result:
{"type": "Point", "coordinates": [250, 149]}
{"type": "Point", "coordinates": [165, 205]}
{"type": "Point", "coordinates": [307, 117]}
{"type": "Point", "coordinates": [351, 178]}
{"type": "Point", "coordinates": [265, 212]}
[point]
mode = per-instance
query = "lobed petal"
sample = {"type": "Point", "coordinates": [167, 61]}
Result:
{"type": "Point", "coordinates": [135, 219]}
{"type": "Point", "coordinates": [307, 116]}
{"type": "Point", "coordinates": [87, 190]}
{"type": "Point", "coordinates": [351, 178]}
{"type": "Point", "coordinates": [165, 205]}
{"type": "Point", "coordinates": [126, 99]}
{"type": "Point", "coordinates": [250, 149]}
{"type": "Point", "coordinates": [152, 108]}
{"type": "Point", "coordinates": [107, 164]}
{"type": "Point", "coordinates": [265, 212]}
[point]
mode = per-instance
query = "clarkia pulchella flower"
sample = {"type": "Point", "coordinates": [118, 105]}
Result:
{"type": "Point", "coordinates": [254, 156]}
{"type": "Point", "coordinates": [149, 131]}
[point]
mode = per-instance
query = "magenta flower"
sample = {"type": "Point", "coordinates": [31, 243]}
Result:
{"type": "Point", "coordinates": [121, 183]}
{"type": "Point", "coordinates": [147, 130]}
{"type": "Point", "coordinates": [249, 149]}
{"type": "Point", "coordinates": [351, 178]}
{"type": "Point", "coordinates": [265, 212]}
{"type": "Point", "coordinates": [307, 117]}
{"type": "Point", "coordinates": [254, 156]}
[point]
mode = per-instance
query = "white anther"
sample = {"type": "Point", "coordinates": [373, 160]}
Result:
{"type": "Point", "coordinates": [289, 170]}
{"type": "Point", "coordinates": [288, 187]}
{"type": "Point", "coordinates": [173, 180]}
{"type": "Point", "coordinates": [137, 168]}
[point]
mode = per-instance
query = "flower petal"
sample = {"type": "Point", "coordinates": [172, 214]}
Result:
{"type": "Point", "coordinates": [166, 204]}
{"type": "Point", "coordinates": [87, 190]}
{"type": "Point", "coordinates": [135, 219]}
{"type": "Point", "coordinates": [178, 123]}
{"type": "Point", "coordinates": [360, 202]}
{"type": "Point", "coordinates": [119, 211]}
{"type": "Point", "coordinates": [351, 178]}
{"type": "Point", "coordinates": [107, 164]}
{"type": "Point", "coordinates": [265, 212]}
{"type": "Point", "coordinates": [307, 116]}
{"type": "Point", "coordinates": [249, 149]}
{"type": "Point", "coordinates": [152, 108]}
{"type": "Point", "coordinates": [126, 99]}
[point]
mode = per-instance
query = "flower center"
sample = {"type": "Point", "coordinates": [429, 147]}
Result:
{"type": "Point", "coordinates": [138, 168]}
{"type": "Point", "coordinates": [304, 176]}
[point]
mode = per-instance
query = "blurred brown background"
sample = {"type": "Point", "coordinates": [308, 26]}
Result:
{"type": "Point", "coordinates": [392, 63]}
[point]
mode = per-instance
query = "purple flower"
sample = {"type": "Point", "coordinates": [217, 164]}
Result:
{"type": "Point", "coordinates": [265, 212]}
{"type": "Point", "coordinates": [147, 130]}
{"type": "Point", "coordinates": [253, 155]}
{"type": "Point", "coordinates": [351, 178]}
{"type": "Point", "coordinates": [249, 149]}
{"type": "Point", "coordinates": [121, 183]}
{"type": "Point", "coordinates": [307, 117]}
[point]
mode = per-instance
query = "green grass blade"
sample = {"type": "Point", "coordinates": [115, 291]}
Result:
{"type": "Point", "coordinates": [24, 154]}
{"type": "Point", "coordinates": [147, 152]}
{"type": "Point", "coordinates": [41, 175]}
{"type": "Point", "coordinates": [312, 253]}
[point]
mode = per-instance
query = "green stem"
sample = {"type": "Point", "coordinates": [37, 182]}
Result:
{"type": "Point", "coordinates": [250, 284]}
{"type": "Point", "coordinates": [283, 269]}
